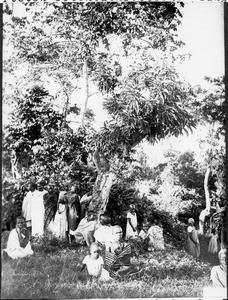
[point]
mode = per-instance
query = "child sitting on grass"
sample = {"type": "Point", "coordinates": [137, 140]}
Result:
{"type": "Point", "coordinates": [94, 264]}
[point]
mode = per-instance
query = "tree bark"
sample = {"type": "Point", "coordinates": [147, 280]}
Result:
{"type": "Point", "coordinates": [65, 110]}
{"type": "Point", "coordinates": [205, 212]}
{"type": "Point", "coordinates": [15, 167]}
{"type": "Point", "coordinates": [86, 87]}
{"type": "Point", "coordinates": [103, 184]}
{"type": "Point", "coordinates": [101, 191]}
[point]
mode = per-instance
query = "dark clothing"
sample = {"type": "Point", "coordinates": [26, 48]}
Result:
{"type": "Point", "coordinates": [73, 210]}
{"type": "Point", "coordinates": [50, 205]}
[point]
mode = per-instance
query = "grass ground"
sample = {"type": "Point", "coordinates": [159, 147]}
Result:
{"type": "Point", "coordinates": [53, 272]}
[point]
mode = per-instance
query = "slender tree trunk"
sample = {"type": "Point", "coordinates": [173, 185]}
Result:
{"type": "Point", "coordinates": [222, 237]}
{"type": "Point", "coordinates": [66, 109]}
{"type": "Point", "coordinates": [15, 167]}
{"type": "Point", "coordinates": [205, 212]}
{"type": "Point", "coordinates": [86, 90]}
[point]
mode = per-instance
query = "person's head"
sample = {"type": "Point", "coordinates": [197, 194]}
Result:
{"type": "Point", "coordinates": [222, 257]}
{"type": "Point", "coordinates": [117, 233]}
{"type": "Point", "coordinates": [20, 222]}
{"type": "Point", "coordinates": [90, 215]}
{"type": "Point", "coordinates": [51, 185]}
{"type": "Point", "coordinates": [213, 231]}
{"type": "Point", "coordinates": [150, 221]}
{"type": "Point", "coordinates": [145, 226]}
{"type": "Point", "coordinates": [32, 186]}
{"type": "Point", "coordinates": [104, 219]}
{"type": "Point", "coordinates": [40, 185]}
{"type": "Point", "coordinates": [132, 208]}
{"type": "Point", "coordinates": [74, 188]}
{"type": "Point", "coordinates": [94, 250]}
{"type": "Point", "coordinates": [191, 222]}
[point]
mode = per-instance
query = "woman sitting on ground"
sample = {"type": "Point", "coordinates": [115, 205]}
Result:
{"type": "Point", "coordinates": [155, 234]}
{"type": "Point", "coordinates": [118, 257]}
{"type": "Point", "coordinates": [103, 233]}
{"type": "Point", "coordinates": [219, 273]}
{"type": "Point", "coordinates": [18, 244]}
{"type": "Point", "coordinates": [85, 229]}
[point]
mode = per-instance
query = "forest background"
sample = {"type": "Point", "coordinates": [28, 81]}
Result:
{"type": "Point", "coordinates": [59, 60]}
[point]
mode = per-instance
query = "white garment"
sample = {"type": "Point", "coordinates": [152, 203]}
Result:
{"type": "Point", "coordinates": [129, 230]}
{"type": "Point", "coordinates": [156, 237]}
{"type": "Point", "coordinates": [26, 207]}
{"type": "Point", "coordinates": [85, 226]}
{"type": "Point", "coordinates": [59, 226]}
{"type": "Point", "coordinates": [95, 267]}
{"type": "Point", "coordinates": [14, 250]}
{"type": "Point", "coordinates": [143, 234]}
{"type": "Point", "coordinates": [103, 235]}
{"type": "Point", "coordinates": [37, 213]}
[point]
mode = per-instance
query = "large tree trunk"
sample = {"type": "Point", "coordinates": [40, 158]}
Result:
{"type": "Point", "coordinates": [103, 184]}
{"type": "Point", "coordinates": [205, 212]}
{"type": "Point", "coordinates": [101, 191]}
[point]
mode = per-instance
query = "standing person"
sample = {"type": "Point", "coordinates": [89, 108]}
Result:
{"type": "Point", "coordinates": [213, 243]}
{"type": "Point", "coordinates": [37, 210]}
{"type": "Point", "coordinates": [60, 225]}
{"type": "Point", "coordinates": [85, 201]}
{"type": "Point", "coordinates": [94, 264]}
{"type": "Point", "coordinates": [18, 244]}
{"type": "Point", "coordinates": [219, 273]}
{"type": "Point", "coordinates": [131, 229]}
{"type": "Point", "coordinates": [50, 204]}
{"type": "Point", "coordinates": [73, 210]}
{"type": "Point", "coordinates": [27, 204]}
{"type": "Point", "coordinates": [193, 239]}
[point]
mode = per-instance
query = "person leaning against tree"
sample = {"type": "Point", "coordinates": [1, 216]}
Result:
{"type": "Point", "coordinates": [193, 239]}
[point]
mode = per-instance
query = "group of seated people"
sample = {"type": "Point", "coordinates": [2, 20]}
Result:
{"type": "Point", "coordinates": [110, 253]}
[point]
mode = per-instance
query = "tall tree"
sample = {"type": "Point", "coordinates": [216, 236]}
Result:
{"type": "Point", "coordinates": [212, 110]}
{"type": "Point", "coordinates": [144, 97]}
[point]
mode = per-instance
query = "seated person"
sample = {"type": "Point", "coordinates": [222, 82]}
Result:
{"type": "Point", "coordinates": [94, 264]}
{"type": "Point", "coordinates": [144, 231]}
{"type": "Point", "coordinates": [118, 257]}
{"type": "Point", "coordinates": [18, 244]}
{"type": "Point", "coordinates": [155, 233]}
{"type": "Point", "coordinates": [85, 229]}
{"type": "Point", "coordinates": [218, 273]}
{"type": "Point", "coordinates": [103, 233]}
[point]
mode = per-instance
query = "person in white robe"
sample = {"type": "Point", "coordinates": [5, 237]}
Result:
{"type": "Point", "coordinates": [60, 225]}
{"type": "Point", "coordinates": [26, 205]}
{"type": "Point", "coordinates": [131, 228]}
{"type": "Point", "coordinates": [18, 244]}
{"type": "Point", "coordinates": [38, 210]}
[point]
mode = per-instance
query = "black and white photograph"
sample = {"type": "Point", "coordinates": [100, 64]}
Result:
{"type": "Point", "coordinates": [113, 150]}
